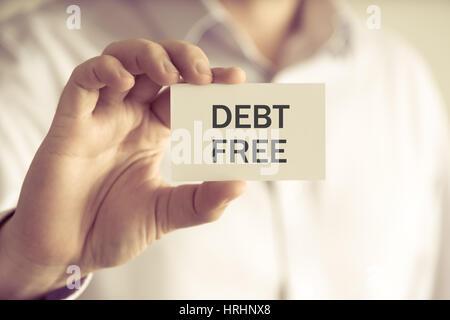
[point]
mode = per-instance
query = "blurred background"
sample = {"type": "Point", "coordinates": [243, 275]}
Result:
{"type": "Point", "coordinates": [425, 24]}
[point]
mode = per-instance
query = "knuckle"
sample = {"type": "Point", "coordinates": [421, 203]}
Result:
{"type": "Point", "coordinates": [106, 61]}
{"type": "Point", "coordinates": [78, 69]}
{"type": "Point", "coordinates": [80, 75]}
{"type": "Point", "coordinates": [105, 66]}
{"type": "Point", "coordinates": [190, 51]}
{"type": "Point", "coordinates": [110, 47]}
{"type": "Point", "coordinates": [149, 49]}
{"type": "Point", "coordinates": [141, 40]}
{"type": "Point", "coordinates": [82, 70]}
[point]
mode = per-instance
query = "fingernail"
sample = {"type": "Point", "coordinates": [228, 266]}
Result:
{"type": "Point", "coordinates": [203, 68]}
{"type": "Point", "coordinates": [169, 67]}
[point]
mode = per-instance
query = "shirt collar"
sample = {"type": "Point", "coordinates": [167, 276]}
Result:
{"type": "Point", "coordinates": [191, 20]}
{"type": "Point", "coordinates": [176, 19]}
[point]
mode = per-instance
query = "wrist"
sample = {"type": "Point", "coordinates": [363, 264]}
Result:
{"type": "Point", "coordinates": [20, 279]}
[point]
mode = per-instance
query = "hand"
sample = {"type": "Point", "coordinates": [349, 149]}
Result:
{"type": "Point", "coordinates": [93, 195]}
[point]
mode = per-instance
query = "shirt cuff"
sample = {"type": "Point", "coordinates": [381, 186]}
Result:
{"type": "Point", "coordinates": [4, 215]}
{"type": "Point", "coordinates": [69, 294]}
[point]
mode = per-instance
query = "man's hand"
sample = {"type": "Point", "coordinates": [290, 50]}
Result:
{"type": "Point", "coordinates": [93, 195]}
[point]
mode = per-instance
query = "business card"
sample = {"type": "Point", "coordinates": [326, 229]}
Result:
{"type": "Point", "coordinates": [252, 131]}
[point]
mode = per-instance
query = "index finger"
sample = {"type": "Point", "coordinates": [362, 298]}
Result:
{"type": "Point", "coordinates": [141, 56]}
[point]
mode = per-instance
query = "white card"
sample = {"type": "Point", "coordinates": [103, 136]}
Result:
{"type": "Point", "coordinates": [255, 131]}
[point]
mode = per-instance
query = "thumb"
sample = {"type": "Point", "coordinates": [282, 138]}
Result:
{"type": "Point", "coordinates": [190, 205]}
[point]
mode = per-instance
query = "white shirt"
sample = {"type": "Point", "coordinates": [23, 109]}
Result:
{"type": "Point", "coordinates": [372, 229]}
